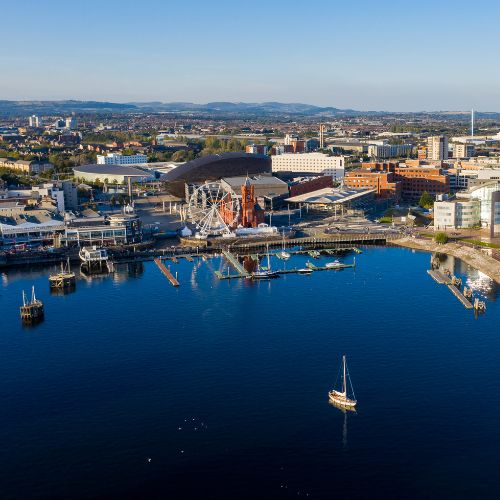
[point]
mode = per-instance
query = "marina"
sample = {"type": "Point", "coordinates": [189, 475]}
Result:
{"type": "Point", "coordinates": [244, 358]}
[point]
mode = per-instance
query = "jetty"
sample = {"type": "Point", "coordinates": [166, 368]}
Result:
{"type": "Point", "coordinates": [166, 271]}
{"type": "Point", "coordinates": [460, 296]}
{"type": "Point", "coordinates": [439, 277]}
{"type": "Point", "coordinates": [233, 260]}
{"type": "Point", "coordinates": [454, 283]}
{"type": "Point", "coordinates": [337, 267]}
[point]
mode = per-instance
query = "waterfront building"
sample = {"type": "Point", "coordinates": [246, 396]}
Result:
{"type": "Point", "coordinates": [488, 195]}
{"type": "Point", "coordinates": [479, 206]}
{"type": "Point", "coordinates": [309, 163]}
{"type": "Point", "coordinates": [437, 147]}
{"type": "Point", "coordinates": [118, 159]}
{"type": "Point", "coordinates": [456, 214]}
{"type": "Point", "coordinates": [339, 200]}
{"type": "Point", "coordinates": [20, 226]}
{"type": "Point", "coordinates": [122, 229]}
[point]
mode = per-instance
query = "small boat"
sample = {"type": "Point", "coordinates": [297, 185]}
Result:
{"type": "Point", "coordinates": [334, 264]}
{"type": "Point", "coordinates": [304, 270]}
{"type": "Point", "coordinates": [314, 254]}
{"type": "Point", "coordinates": [340, 398]}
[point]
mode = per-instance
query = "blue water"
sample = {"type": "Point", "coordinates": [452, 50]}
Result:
{"type": "Point", "coordinates": [218, 389]}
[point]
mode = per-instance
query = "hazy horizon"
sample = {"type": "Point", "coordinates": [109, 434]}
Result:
{"type": "Point", "coordinates": [367, 57]}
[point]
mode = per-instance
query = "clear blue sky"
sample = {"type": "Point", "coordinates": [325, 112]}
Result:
{"type": "Point", "coordinates": [364, 54]}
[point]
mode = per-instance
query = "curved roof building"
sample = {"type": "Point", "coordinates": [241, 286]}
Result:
{"type": "Point", "coordinates": [113, 173]}
{"type": "Point", "coordinates": [214, 167]}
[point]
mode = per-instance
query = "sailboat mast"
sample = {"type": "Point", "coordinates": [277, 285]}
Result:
{"type": "Point", "coordinates": [268, 259]}
{"type": "Point", "coordinates": [345, 385]}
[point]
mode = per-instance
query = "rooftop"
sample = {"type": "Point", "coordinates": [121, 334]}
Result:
{"type": "Point", "coordinates": [327, 196]}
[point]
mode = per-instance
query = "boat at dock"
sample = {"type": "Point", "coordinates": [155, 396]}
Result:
{"type": "Point", "coordinates": [341, 398]}
{"type": "Point", "coordinates": [65, 279]}
{"type": "Point", "coordinates": [32, 310]}
{"type": "Point", "coordinates": [283, 254]}
{"type": "Point", "coordinates": [334, 264]}
{"type": "Point", "coordinates": [264, 273]}
{"type": "Point", "coordinates": [304, 270]}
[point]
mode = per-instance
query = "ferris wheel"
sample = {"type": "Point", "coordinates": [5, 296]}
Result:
{"type": "Point", "coordinates": [214, 209]}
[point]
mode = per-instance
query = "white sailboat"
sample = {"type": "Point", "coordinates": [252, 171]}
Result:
{"type": "Point", "coordinates": [265, 274]}
{"type": "Point", "coordinates": [341, 398]}
{"type": "Point", "coordinates": [283, 254]}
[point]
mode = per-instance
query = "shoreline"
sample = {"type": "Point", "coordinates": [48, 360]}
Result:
{"type": "Point", "coordinates": [474, 258]}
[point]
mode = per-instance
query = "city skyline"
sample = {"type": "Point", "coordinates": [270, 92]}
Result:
{"type": "Point", "coordinates": [363, 57]}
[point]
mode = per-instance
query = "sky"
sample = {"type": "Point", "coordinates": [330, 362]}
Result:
{"type": "Point", "coordinates": [364, 54]}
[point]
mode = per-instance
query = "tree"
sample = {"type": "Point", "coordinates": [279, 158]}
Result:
{"type": "Point", "coordinates": [426, 200]}
{"type": "Point", "coordinates": [441, 238]}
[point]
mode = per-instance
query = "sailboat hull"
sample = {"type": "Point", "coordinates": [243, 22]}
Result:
{"type": "Point", "coordinates": [340, 399]}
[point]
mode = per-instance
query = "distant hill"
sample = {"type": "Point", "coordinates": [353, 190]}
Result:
{"type": "Point", "coordinates": [26, 108]}
{"type": "Point", "coordinates": [211, 109]}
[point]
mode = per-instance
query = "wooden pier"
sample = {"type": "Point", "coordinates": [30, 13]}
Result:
{"type": "Point", "coordinates": [460, 296]}
{"type": "Point", "coordinates": [439, 277]}
{"type": "Point", "coordinates": [166, 272]}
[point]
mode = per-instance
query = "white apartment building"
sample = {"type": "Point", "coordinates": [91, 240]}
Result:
{"type": "Point", "coordinates": [35, 121]}
{"type": "Point", "coordinates": [309, 164]}
{"type": "Point", "coordinates": [457, 214]}
{"type": "Point", "coordinates": [384, 151]}
{"type": "Point", "coordinates": [118, 159]}
{"type": "Point", "coordinates": [437, 147]}
{"type": "Point", "coordinates": [463, 150]}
